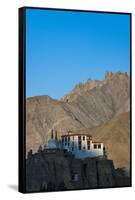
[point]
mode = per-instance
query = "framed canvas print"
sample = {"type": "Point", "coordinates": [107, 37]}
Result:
{"type": "Point", "coordinates": [74, 100]}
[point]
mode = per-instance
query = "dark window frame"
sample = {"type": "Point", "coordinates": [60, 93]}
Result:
{"type": "Point", "coordinates": [79, 137]}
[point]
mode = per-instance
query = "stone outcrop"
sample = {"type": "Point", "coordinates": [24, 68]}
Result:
{"type": "Point", "coordinates": [108, 75]}
{"type": "Point", "coordinates": [58, 170]}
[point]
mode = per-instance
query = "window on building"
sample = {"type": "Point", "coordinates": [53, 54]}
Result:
{"type": "Point", "coordinates": [88, 142]}
{"type": "Point", "coordinates": [65, 143]}
{"type": "Point", "coordinates": [99, 146]}
{"type": "Point", "coordinates": [72, 148]}
{"type": "Point", "coordinates": [68, 143]}
{"type": "Point", "coordinates": [62, 140]}
{"type": "Point", "coordinates": [79, 142]}
{"type": "Point", "coordinates": [83, 137]}
{"type": "Point", "coordinates": [88, 147]}
{"type": "Point", "coordinates": [83, 147]}
{"type": "Point", "coordinates": [65, 139]}
{"type": "Point", "coordinates": [68, 139]}
{"type": "Point", "coordinates": [95, 146]}
{"type": "Point", "coordinates": [79, 137]}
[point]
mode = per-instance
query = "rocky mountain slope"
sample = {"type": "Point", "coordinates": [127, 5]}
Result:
{"type": "Point", "coordinates": [116, 136]}
{"type": "Point", "coordinates": [89, 105]}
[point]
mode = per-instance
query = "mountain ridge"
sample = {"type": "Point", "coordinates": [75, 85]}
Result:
{"type": "Point", "coordinates": [87, 106]}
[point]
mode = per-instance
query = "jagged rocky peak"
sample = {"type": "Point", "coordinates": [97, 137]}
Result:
{"type": "Point", "coordinates": [91, 85]}
{"type": "Point", "coordinates": [80, 88]}
{"type": "Point", "coordinates": [109, 75]}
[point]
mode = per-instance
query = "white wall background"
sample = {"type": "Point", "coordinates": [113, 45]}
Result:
{"type": "Point", "coordinates": [9, 95]}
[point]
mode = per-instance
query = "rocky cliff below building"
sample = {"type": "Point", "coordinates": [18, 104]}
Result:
{"type": "Point", "coordinates": [56, 170]}
{"type": "Point", "coordinates": [100, 107]}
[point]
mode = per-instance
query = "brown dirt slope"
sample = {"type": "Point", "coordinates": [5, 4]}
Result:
{"type": "Point", "coordinates": [116, 136]}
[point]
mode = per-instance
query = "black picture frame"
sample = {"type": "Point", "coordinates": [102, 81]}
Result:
{"type": "Point", "coordinates": [22, 92]}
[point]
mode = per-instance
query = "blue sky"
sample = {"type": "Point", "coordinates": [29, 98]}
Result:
{"type": "Point", "coordinates": [65, 48]}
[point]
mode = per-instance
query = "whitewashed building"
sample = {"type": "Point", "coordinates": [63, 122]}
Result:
{"type": "Point", "coordinates": [80, 145]}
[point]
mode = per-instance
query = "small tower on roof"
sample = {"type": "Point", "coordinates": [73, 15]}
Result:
{"type": "Point", "coordinates": [52, 134]}
{"type": "Point", "coordinates": [52, 142]}
{"type": "Point", "coordinates": [56, 137]}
